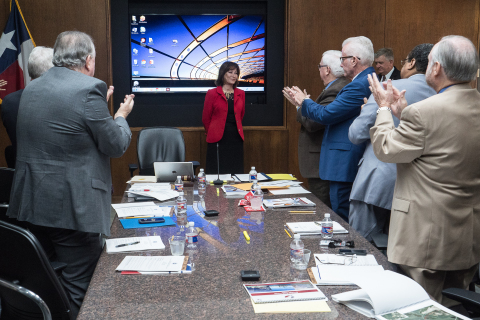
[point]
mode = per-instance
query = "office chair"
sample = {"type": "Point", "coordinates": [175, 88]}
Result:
{"type": "Point", "coordinates": [30, 295]}
{"type": "Point", "coordinates": [469, 300]}
{"type": "Point", "coordinates": [6, 181]}
{"type": "Point", "coordinates": [10, 156]}
{"type": "Point", "coordinates": [159, 144]}
{"type": "Point", "coordinates": [24, 263]}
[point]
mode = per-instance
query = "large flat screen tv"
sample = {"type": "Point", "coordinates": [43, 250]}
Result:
{"type": "Point", "coordinates": [183, 53]}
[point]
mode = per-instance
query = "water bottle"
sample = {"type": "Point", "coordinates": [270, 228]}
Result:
{"type": "Point", "coordinates": [296, 249]}
{"type": "Point", "coordinates": [327, 227]}
{"type": "Point", "coordinates": [202, 179]}
{"type": "Point", "coordinates": [192, 235]}
{"type": "Point", "coordinates": [192, 257]}
{"type": "Point", "coordinates": [179, 184]}
{"type": "Point", "coordinates": [252, 177]}
{"type": "Point", "coordinates": [201, 191]}
{"type": "Point", "coordinates": [181, 204]}
{"type": "Point", "coordinates": [257, 199]}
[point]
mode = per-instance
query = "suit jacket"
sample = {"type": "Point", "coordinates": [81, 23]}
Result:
{"type": "Point", "coordinates": [394, 76]}
{"type": "Point", "coordinates": [339, 157]}
{"type": "Point", "coordinates": [435, 218]}
{"type": "Point", "coordinates": [375, 179]}
{"type": "Point", "coordinates": [215, 110]}
{"type": "Point", "coordinates": [10, 106]}
{"type": "Point", "coordinates": [66, 137]}
{"type": "Point", "coordinates": [311, 132]}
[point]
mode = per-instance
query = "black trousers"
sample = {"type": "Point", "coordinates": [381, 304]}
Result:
{"type": "Point", "coordinates": [79, 250]}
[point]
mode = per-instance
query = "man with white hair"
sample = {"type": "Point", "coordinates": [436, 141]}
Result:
{"type": "Point", "coordinates": [311, 132]}
{"type": "Point", "coordinates": [339, 157]}
{"type": "Point", "coordinates": [39, 61]}
{"type": "Point", "coordinates": [62, 184]}
{"type": "Point", "coordinates": [434, 229]}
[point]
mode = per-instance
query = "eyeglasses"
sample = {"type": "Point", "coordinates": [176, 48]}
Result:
{"type": "Point", "coordinates": [348, 57]}
{"type": "Point", "coordinates": [346, 261]}
{"type": "Point", "coordinates": [322, 66]}
{"type": "Point", "coordinates": [402, 62]}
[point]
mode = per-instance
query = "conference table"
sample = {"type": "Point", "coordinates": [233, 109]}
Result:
{"type": "Point", "coordinates": [214, 290]}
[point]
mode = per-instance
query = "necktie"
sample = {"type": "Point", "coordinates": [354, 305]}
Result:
{"type": "Point", "coordinates": [383, 79]}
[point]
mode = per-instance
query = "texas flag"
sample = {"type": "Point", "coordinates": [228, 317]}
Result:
{"type": "Point", "coordinates": [16, 44]}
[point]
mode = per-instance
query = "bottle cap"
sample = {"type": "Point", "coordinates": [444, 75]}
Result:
{"type": "Point", "coordinates": [296, 236]}
{"type": "Point", "coordinates": [179, 177]}
{"type": "Point", "coordinates": [201, 170]}
{"type": "Point", "coordinates": [191, 224]}
{"type": "Point", "coordinates": [181, 193]}
{"type": "Point", "coordinates": [327, 215]}
{"type": "Point", "coordinates": [253, 168]}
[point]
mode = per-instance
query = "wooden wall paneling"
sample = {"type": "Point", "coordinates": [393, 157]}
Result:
{"type": "Point", "coordinates": [314, 27]}
{"type": "Point", "coordinates": [411, 22]}
{"type": "Point", "coordinates": [267, 150]}
{"type": "Point", "coordinates": [119, 166]}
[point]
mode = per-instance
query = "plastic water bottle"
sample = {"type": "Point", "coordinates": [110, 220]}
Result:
{"type": "Point", "coordinates": [181, 204]}
{"type": "Point", "coordinates": [201, 191]}
{"type": "Point", "coordinates": [253, 178]}
{"type": "Point", "coordinates": [257, 199]}
{"type": "Point", "coordinates": [296, 249]}
{"type": "Point", "coordinates": [179, 184]}
{"type": "Point", "coordinates": [193, 257]}
{"type": "Point", "coordinates": [192, 235]}
{"type": "Point", "coordinates": [202, 179]}
{"type": "Point", "coordinates": [327, 227]}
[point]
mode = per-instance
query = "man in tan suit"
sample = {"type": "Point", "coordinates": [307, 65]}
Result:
{"type": "Point", "coordinates": [311, 132]}
{"type": "Point", "coordinates": [435, 222]}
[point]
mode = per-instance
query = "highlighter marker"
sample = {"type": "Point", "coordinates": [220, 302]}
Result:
{"type": "Point", "coordinates": [245, 234]}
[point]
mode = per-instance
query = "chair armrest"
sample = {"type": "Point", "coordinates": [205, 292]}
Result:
{"type": "Point", "coordinates": [470, 300]}
{"type": "Point", "coordinates": [132, 167]}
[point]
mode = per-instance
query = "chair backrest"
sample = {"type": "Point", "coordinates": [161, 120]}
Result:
{"type": "Point", "coordinates": [159, 144]}
{"type": "Point", "coordinates": [15, 288]}
{"type": "Point", "coordinates": [10, 156]}
{"type": "Point", "coordinates": [24, 262]}
{"type": "Point", "coordinates": [6, 181]}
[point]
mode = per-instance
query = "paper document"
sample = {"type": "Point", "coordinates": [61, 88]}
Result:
{"type": "Point", "coordinates": [143, 179]}
{"type": "Point", "coordinates": [313, 227]}
{"type": "Point", "coordinates": [284, 291]}
{"type": "Point", "coordinates": [291, 307]}
{"type": "Point", "coordinates": [145, 243]}
{"type": "Point", "coordinates": [152, 263]}
{"type": "Point", "coordinates": [245, 177]}
{"type": "Point", "coordinates": [224, 177]}
{"type": "Point", "coordinates": [281, 176]}
{"type": "Point", "coordinates": [144, 209]}
{"type": "Point", "coordinates": [288, 203]}
{"type": "Point", "coordinates": [291, 190]}
{"type": "Point", "coordinates": [159, 195]}
{"type": "Point", "coordinates": [280, 183]}
{"type": "Point", "coordinates": [149, 187]}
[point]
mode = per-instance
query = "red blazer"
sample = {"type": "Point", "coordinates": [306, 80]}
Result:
{"type": "Point", "coordinates": [215, 111]}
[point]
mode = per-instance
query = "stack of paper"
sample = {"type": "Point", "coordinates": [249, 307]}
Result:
{"type": "Point", "coordinates": [246, 177]}
{"type": "Point", "coordinates": [153, 263]}
{"type": "Point", "coordinates": [233, 191]}
{"type": "Point", "coordinates": [159, 191]}
{"type": "Point", "coordinates": [313, 228]}
{"type": "Point", "coordinates": [288, 202]}
{"type": "Point", "coordinates": [141, 209]}
{"type": "Point", "coordinates": [134, 244]}
{"type": "Point", "coordinates": [332, 270]}
{"type": "Point", "coordinates": [143, 179]}
{"type": "Point", "coordinates": [223, 177]}
{"type": "Point", "coordinates": [287, 187]}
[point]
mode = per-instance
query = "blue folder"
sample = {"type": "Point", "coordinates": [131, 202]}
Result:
{"type": "Point", "coordinates": [133, 223]}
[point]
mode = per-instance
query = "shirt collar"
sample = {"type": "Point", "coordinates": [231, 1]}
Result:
{"type": "Point", "coordinates": [328, 85]}
{"type": "Point", "coordinates": [388, 75]}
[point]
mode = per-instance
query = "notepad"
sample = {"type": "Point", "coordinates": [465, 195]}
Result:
{"type": "Point", "coordinates": [153, 263]}
{"type": "Point", "coordinates": [145, 243]}
{"type": "Point", "coordinates": [281, 176]}
{"type": "Point", "coordinates": [135, 209]}
{"type": "Point", "coordinates": [143, 179]}
{"type": "Point", "coordinates": [284, 291]}
{"type": "Point", "coordinates": [133, 223]}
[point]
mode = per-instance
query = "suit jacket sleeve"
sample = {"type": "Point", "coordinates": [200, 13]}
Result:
{"type": "Point", "coordinates": [208, 109]}
{"type": "Point", "coordinates": [112, 137]}
{"type": "Point", "coordinates": [345, 106]}
{"type": "Point", "coordinates": [398, 145]}
{"type": "Point", "coordinates": [359, 129]}
{"type": "Point", "coordinates": [310, 125]}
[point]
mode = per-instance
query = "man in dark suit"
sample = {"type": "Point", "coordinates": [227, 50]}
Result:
{"type": "Point", "coordinates": [39, 61]}
{"type": "Point", "coordinates": [384, 65]}
{"type": "Point", "coordinates": [62, 183]}
{"type": "Point", "coordinates": [339, 157]}
{"type": "Point", "coordinates": [311, 132]}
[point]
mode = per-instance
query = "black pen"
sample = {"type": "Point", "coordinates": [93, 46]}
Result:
{"type": "Point", "coordinates": [127, 244]}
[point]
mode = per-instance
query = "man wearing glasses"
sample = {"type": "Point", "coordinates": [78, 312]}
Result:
{"type": "Point", "coordinates": [311, 132]}
{"type": "Point", "coordinates": [338, 156]}
{"type": "Point", "coordinates": [372, 191]}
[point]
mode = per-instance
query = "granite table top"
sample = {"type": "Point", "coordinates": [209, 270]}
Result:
{"type": "Point", "coordinates": [215, 290]}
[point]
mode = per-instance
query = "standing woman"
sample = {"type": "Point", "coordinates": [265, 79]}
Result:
{"type": "Point", "coordinates": [223, 112]}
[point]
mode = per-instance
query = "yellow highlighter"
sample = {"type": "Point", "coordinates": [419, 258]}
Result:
{"type": "Point", "coordinates": [247, 237]}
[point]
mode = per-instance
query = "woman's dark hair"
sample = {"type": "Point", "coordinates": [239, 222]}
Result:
{"type": "Point", "coordinates": [227, 66]}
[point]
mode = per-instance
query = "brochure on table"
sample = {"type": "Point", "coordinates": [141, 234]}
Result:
{"type": "Point", "coordinates": [144, 244]}
{"type": "Point", "coordinates": [313, 228]}
{"type": "Point", "coordinates": [331, 270]}
{"type": "Point", "coordinates": [388, 295]}
{"type": "Point", "coordinates": [245, 177]}
{"type": "Point", "coordinates": [284, 291]}
{"type": "Point", "coordinates": [145, 209]}
{"type": "Point", "coordinates": [288, 202]}
{"type": "Point", "coordinates": [153, 263]}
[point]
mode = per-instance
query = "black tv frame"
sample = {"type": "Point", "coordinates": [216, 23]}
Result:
{"type": "Point", "coordinates": [185, 109]}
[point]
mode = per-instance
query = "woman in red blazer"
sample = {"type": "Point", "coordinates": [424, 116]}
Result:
{"type": "Point", "coordinates": [223, 112]}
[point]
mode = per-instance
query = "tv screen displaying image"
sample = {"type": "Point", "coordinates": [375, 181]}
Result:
{"type": "Point", "coordinates": [183, 53]}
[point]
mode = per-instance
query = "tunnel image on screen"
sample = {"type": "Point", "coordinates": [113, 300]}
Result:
{"type": "Point", "coordinates": [173, 53]}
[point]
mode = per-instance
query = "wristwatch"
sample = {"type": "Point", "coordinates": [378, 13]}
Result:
{"type": "Point", "coordinates": [384, 108]}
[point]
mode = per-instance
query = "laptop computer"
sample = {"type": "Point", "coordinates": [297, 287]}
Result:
{"type": "Point", "coordinates": [168, 171]}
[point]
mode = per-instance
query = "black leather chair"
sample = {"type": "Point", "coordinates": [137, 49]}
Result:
{"type": "Point", "coordinates": [469, 300]}
{"type": "Point", "coordinates": [159, 144]}
{"type": "Point", "coordinates": [6, 181]}
{"type": "Point", "coordinates": [10, 156]}
{"type": "Point", "coordinates": [24, 263]}
{"type": "Point", "coordinates": [15, 288]}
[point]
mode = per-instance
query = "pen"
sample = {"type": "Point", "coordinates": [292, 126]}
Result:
{"type": "Point", "coordinates": [245, 234]}
{"type": "Point", "coordinates": [287, 233]}
{"type": "Point", "coordinates": [127, 244]}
